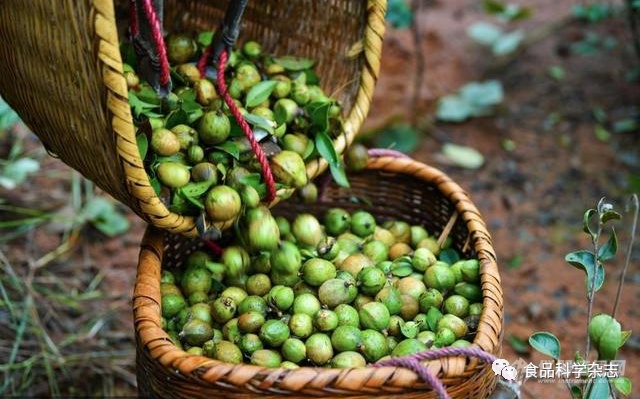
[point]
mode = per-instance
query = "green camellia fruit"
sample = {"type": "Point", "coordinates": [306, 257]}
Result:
{"type": "Point", "coordinates": [307, 229]}
{"type": "Point", "coordinates": [362, 223]}
{"type": "Point", "coordinates": [316, 271]}
{"type": "Point", "coordinates": [214, 127]}
{"type": "Point", "coordinates": [408, 347]}
{"type": "Point", "coordinates": [289, 169]}
{"type": "Point", "coordinates": [263, 234]}
{"type": "Point", "coordinates": [164, 142]}
{"type": "Point", "coordinates": [274, 332]}
{"type": "Point", "coordinates": [319, 349]}
{"type": "Point", "coordinates": [181, 48]}
{"type": "Point", "coordinates": [228, 352]}
{"type": "Point", "coordinates": [222, 203]}
{"type": "Point", "coordinates": [348, 359]}
{"type": "Point", "coordinates": [373, 345]}
{"type": "Point", "coordinates": [173, 174]}
{"type": "Point", "coordinates": [375, 316]}
{"type": "Point", "coordinates": [356, 157]}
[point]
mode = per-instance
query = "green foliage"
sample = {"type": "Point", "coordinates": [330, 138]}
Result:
{"type": "Point", "coordinates": [545, 343]}
{"type": "Point", "coordinates": [463, 156]}
{"type": "Point", "coordinates": [472, 100]}
{"type": "Point", "coordinates": [8, 116]}
{"type": "Point", "coordinates": [506, 12]}
{"type": "Point", "coordinates": [104, 216]}
{"type": "Point", "coordinates": [492, 36]}
{"type": "Point", "coordinates": [400, 136]}
{"type": "Point", "coordinates": [399, 14]}
{"type": "Point", "coordinates": [603, 330]}
{"type": "Point", "coordinates": [592, 13]}
{"type": "Point", "coordinates": [593, 44]}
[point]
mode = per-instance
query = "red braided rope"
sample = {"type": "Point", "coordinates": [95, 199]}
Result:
{"type": "Point", "coordinates": [213, 246]}
{"type": "Point", "coordinates": [262, 158]}
{"type": "Point", "coordinates": [204, 58]}
{"type": "Point", "coordinates": [158, 41]}
{"type": "Point", "coordinates": [134, 29]}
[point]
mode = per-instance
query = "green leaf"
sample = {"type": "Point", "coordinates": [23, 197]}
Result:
{"type": "Point", "coordinates": [328, 152]}
{"type": "Point", "coordinates": [507, 43]}
{"type": "Point", "coordinates": [557, 72]}
{"type": "Point", "coordinates": [205, 38]}
{"type": "Point", "coordinates": [102, 214]}
{"type": "Point", "coordinates": [602, 133]}
{"type": "Point", "coordinates": [622, 385]}
{"type": "Point", "coordinates": [195, 189]}
{"type": "Point", "coordinates": [484, 33]}
{"type": "Point", "coordinates": [598, 388]}
{"type": "Point", "coordinates": [624, 337]}
{"type": "Point", "coordinates": [545, 343]}
{"type": "Point", "coordinates": [463, 156]}
{"type": "Point", "coordinates": [255, 180]}
{"type": "Point", "coordinates": [141, 107]}
{"type": "Point", "coordinates": [399, 14]}
{"type": "Point", "coordinates": [401, 270]}
{"type": "Point", "coordinates": [325, 148]}
{"type": "Point", "coordinates": [319, 115]}
{"type": "Point", "coordinates": [433, 315]}
{"type": "Point", "coordinates": [449, 256]}
{"type": "Point", "coordinates": [260, 122]}
{"type": "Point", "coordinates": [453, 108]}
{"type": "Point", "coordinates": [230, 147]}
{"type": "Point", "coordinates": [155, 184]}
{"type": "Point", "coordinates": [626, 125]}
{"type": "Point", "coordinates": [293, 63]}
{"type": "Point", "coordinates": [483, 94]}
{"type": "Point", "coordinates": [128, 53]}
{"type": "Point", "coordinates": [338, 174]}
{"type": "Point", "coordinates": [586, 219]}
{"type": "Point", "coordinates": [609, 215]}
{"type": "Point", "coordinates": [402, 137]}
{"type": "Point", "coordinates": [576, 391]}
{"type": "Point", "coordinates": [177, 117]}
{"type": "Point", "coordinates": [409, 329]}
{"type": "Point", "coordinates": [259, 93]}
{"type": "Point", "coordinates": [608, 250]}
{"type": "Point", "coordinates": [582, 260]}
{"type": "Point", "coordinates": [143, 144]}
{"type": "Point", "coordinates": [519, 345]}
{"type": "Point", "coordinates": [16, 172]}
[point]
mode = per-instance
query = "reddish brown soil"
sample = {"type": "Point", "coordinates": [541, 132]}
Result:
{"type": "Point", "coordinates": [532, 198]}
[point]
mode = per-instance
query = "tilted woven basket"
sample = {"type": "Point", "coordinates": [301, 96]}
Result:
{"type": "Point", "coordinates": [62, 72]}
{"type": "Point", "coordinates": [398, 189]}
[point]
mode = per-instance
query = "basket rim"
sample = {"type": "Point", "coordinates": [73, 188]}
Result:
{"type": "Point", "coordinates": [152, 209]}
{"type": "Point", "coordinates": [489, 332]}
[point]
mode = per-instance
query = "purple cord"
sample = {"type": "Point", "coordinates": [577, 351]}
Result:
{"type": "Point", "coordinates": [385, 152]}
{"type": "Point", "coordinates": [413, 362]}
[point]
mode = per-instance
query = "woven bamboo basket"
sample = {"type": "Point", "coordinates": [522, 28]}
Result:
{"type": "Point", "coordinates": [398, 189]}
{"type": "Point", "coordinates": [62, 72]}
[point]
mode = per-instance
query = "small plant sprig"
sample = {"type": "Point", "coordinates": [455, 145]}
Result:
{"type": "Point", "coordinates": [604, 332]}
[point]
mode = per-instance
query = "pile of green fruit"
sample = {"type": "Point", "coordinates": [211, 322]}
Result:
{"type": "Point", "coordinates": [194, 151]}
{"type": "Point", "coordinates": [343, 291]}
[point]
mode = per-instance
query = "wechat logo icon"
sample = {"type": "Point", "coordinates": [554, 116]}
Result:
{"type": "Point", "coordinates": [502, 367]}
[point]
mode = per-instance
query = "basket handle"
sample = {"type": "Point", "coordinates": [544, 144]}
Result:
{"type": "Point", "coordinates": [145, 30]}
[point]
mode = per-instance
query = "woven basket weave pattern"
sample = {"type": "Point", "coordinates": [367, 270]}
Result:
{"type": "Point", "coordinates": [62, 72]}
{"type": "Point", "coordinates": [398, 189]}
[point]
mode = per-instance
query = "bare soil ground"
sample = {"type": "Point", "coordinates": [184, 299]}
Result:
{"type": "Point", "coordinates": [532, 199]}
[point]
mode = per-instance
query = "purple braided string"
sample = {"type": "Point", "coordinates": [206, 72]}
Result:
{"type": "Point", "coordinates": [413, 362]}
{"type": "Point", "coordinates": [385, 152]}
